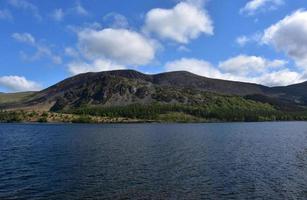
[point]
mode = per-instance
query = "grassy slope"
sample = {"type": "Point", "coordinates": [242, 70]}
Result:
{"type": "Point", "coordinates": [14, 97]}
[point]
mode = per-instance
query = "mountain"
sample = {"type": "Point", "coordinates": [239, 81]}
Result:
{"type": "Point", "coordinates": [127, 87]}
{"type": "Point", "coordinates": [128, 95]}
{"type": "Point", "coordinates": [297, 91]}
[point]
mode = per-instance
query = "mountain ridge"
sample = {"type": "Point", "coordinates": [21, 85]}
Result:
{"type": "Point", "coordinates": [125, 87]}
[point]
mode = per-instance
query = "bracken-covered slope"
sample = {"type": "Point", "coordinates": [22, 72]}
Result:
{"type": "Point", "coordinates": [126, 87]}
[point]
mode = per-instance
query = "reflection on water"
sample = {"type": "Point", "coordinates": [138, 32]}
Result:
{"type": "Point", "coordinates": [154, 161]}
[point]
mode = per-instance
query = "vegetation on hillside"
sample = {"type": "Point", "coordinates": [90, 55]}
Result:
{"type": "Point", "coordinates": [51, 117]}
{"type": "Point", "coordinates": [221, 111]}
{"type": "Point", "coordinates": [224, 109]}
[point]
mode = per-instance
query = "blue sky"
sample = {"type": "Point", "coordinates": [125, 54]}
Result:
{"type": "Point", "coordinates": [260, 41]}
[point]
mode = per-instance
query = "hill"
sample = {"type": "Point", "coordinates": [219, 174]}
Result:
{"type": "Point", "coordinates": [172, 92]}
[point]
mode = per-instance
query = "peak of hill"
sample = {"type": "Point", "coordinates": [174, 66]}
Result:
{"type": "Point", "coordinates": [126, 87]}
{"type": "Point", "coordinates": [177, 79]}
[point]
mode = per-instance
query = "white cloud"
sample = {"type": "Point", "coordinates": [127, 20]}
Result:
{"type": "Point", "coordinates": [184, 22]}
{"type": "Point", "coordinates": [254, 6]}
{"type": "Point", "coordinates": [279, 78]}
{"type": "Point", "coordinates": [244, 40]}
{"type": "Point", "coordinates": [18, 84]}
{"type": "Point", "coordinates": [273, 74]}
{"type": "Point", "coordinates": [96, 66]}
{"type": "Point", "coordinates": [6, 15]}
{"type": "Point", "coordinates": [24, 38]}
{"type": "Point", "coordinates": [109, 49]}
{"type": "Point", "coordinates": [200, 67]}
{"type": "Point", "coordinates": [58, 14]}
{"type": "Point", "coordinates": [41, 49]}
{"type": "Point", "coordinates": [249, 65]}
{"type": "Point", "coordinates": [27, 6]}
{"type": "Point", "coordinates": [289, 36]}
{"type": "Point", "coordinates": [121, 46]}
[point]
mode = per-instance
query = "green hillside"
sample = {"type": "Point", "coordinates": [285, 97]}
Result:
{"type": "Point", "coordinates": [14, 97]}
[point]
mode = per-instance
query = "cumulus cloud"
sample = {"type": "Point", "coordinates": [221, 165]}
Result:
{"type": "Point", "coordinates": [95, 66]}
{"type": "Point", "coordinates": [272, 73]}
{"type": "Point", "coordinates": [255, 6]}
{"type": "Point", "coordinates": [184, 22]}
{"type": "Point", "coordinates": [279, 78]}
{"type": "Point", "coordinates": [26, 6]}
{"type": "Point", "coordinates": [289, 36]}
{"type": "Point", "coordinates": [200, 67]}
{"type": "Point", "coordinates": [6, 15]}
{"type": "Point", "coordinates": [121, 46]}
{"type": "Point", "coordinates": [42, 51]}
{"type": "Point", "coordinates": [248, 65]}
{"type": "Point", "coordinates": [18, 84]}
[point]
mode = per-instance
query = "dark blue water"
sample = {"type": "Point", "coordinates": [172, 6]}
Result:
{"type": "Point", "coordinates": [154, 161]}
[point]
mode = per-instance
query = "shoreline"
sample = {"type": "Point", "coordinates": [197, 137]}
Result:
{"type": "Point", "coordinates": [44, 117]}
{"type": "Point", "coordinates": [149, 122]}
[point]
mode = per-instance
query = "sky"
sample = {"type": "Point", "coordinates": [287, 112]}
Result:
{"type": "Point", "coordinates": [258, 41]}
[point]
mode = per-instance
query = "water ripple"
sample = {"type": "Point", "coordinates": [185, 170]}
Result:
{"type": "Point", "coordinates": [154, 161]}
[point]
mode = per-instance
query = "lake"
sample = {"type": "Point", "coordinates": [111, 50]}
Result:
{"type": "Point", "coordinates": [154, 161]}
